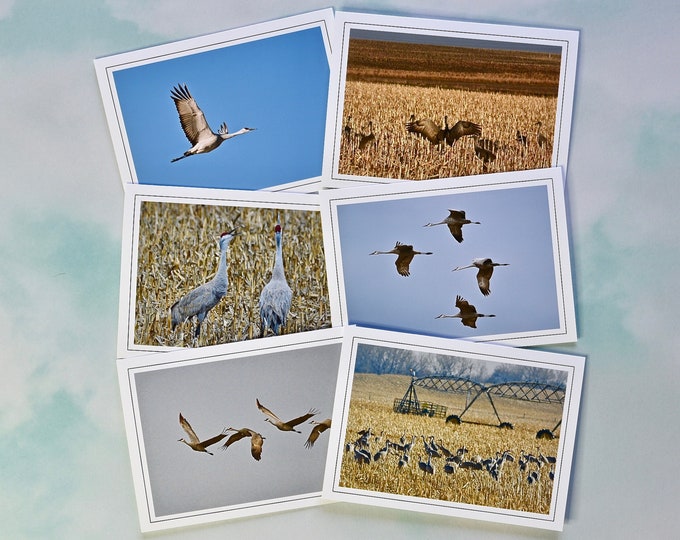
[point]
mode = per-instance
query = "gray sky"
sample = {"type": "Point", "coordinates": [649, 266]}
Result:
{"type": "Point", "coordinates": [219, 394]}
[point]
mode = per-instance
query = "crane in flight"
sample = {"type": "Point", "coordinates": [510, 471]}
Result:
{"type": "Point", "coordinates": [318, 429]}
{"type": "Point", "coordinates": [454, 221]}
{"type": "Point", "coordinates": [467, 313]}
{"type": "Point", "coordinates": [194, 442]}
{"type": "Point", "coordinates": [485, 268]}
{"type": "Point", "coordinates": [196, 127]}
{"type": "Point", "coordinates": [203, 298]}
{"type": "Point", "coordinates": [276, 296]}
{"type": "Point", "coordinates": [280, 424]}
{"type": "Point", "coordinates": [405, 254]}
{"type": "Point", "coordinates": [256, 440]}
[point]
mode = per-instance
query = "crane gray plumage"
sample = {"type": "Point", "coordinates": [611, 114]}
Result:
{"type": "Point", "coordinates": [203, 298]}
{"type": "Point", "coordinates": [276, 296]}
{"type": "Point", "coordinates": [485, 268]}
{"type": "Point", "coordinates": [256, 440]}
{"type": "Point", "coordinates": [366, 138]}
{"type": "Point", "coordinates": [194, 442]}
{"type": "Point", "coordinates": [454, 221]}
{"type": "Point", "coordinates": [280, 424]}
{"type": "Point", "coordinates": [318, 429]}
{"type": "Point", "coordinates": [196, 127]}
{"type": "Point", "coordinates": [405, 254]}
{"type": "Point", "coordinates": [467, 313]}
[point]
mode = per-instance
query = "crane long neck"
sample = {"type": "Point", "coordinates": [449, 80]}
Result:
{"type": "Point", "coordinates": [278, 260]}
{"type": "Point", "coordinates": [221, 275]}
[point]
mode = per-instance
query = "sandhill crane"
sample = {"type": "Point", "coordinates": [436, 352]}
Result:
{"type": "Point", "coordinates": [362, 456]}
{"type": "Point", "coordinates": [427, 468]}
{"type": "Point", "coordinates": [462, 128]}
{"type": "Point", "coordinates": [195, 126]}
{"type": "Point", "coordinates": [256, 440]}
{"type": "Point", "coordinates": [284, 426]}
{"type": "Point", "coordinates": [521, 138]}
{"type": "Point", "coordinates": [541, 139]}
{"type": "Point", "coordinates": [204, 297]}
{"type": "Point", "coordinates": [467, 313]}
{"type": "Point", "coordinates": [194, 442]}
{"type": "Point", "coordinates": [485, 268]}
{"type": "Point", "coordinates": [347, 130]}
{"type": "Point", "coordinates": [436, 135]}
{"type": "Point", "coordinates": [318, 429]}
{"type": "Point", "coordinates": [405, 256]}
{"type": "Point", "coordinates": [454, 221]}
{"type": "Point", "coordinates": [486, 150]}
{"type": "Point", "coordinates": [276, 296]}
{"type": "Point", "coordinates": [366, 138]}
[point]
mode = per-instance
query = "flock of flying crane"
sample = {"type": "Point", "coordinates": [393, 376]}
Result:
{"type": "Point", "coordinates": [256, 438]}
{"type": "Point", "coordinates": [467, 312]}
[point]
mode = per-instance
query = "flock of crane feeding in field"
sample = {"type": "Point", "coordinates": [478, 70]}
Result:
{"type": "Point", "coordinates": [256, 438]}
{"type": "Point", "coordinates": [364, 452]}
{"type": "Point", "coordinates": [275, 298]}
{"type": "Point", "coordinates": [486, 150]}
{"type": "Point", "coordinates": [455, 221]}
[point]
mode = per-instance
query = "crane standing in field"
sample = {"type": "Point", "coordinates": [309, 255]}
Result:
{"type": "Point", "coordinates": [454, 221]}
{"type": "Point", "coordinates": [195, 126]}
{"type": "Point", "coordinates": [204, 297]}
{"type": "Point", "coordinates": [485, 268]}
{"type": "Point", "coordinates": [194, 442]}
{"type": "Point", "coordinates": [276, 296]}
{"type": "Point", "coordinates": [467, 313]}
{"type": "Point", "coordinates": [405, 254]}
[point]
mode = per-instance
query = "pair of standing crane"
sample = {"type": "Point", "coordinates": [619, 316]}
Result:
{"type": "Point", "coordinates": [455, 221]}
{"type": "Point", "coordinates": [274, 302]}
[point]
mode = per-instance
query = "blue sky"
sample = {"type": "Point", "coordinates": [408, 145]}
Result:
{"type": "Point", "coordinates": [277, 85]}
{"type": "Point", "coordinates": [514, 228]}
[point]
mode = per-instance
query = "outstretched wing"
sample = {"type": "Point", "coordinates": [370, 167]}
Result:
{"type": "Point", "coordinates": [191, 116]}
{"type": "Point", "coordinates": [188, 429]}
{"type": "Point", "coordinates": [295, 421]}
{"type": "Point", "coordinates": [427, 129]}
{"type": "Point", "coordinates": [256, 441]}
{"type": "Point", "coordinates": [267, 412]}
{"type": "Point", "coordinates": [318, 429]}
{"type": "Point", "coordinates": [235, 437]}
{"type": "Point", "coordinates": [213, 440]}
{"type": "Point", "coordinates": [484, 278]}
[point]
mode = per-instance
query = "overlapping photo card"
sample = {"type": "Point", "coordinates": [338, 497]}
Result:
{"type": "Point", "coordinates": [484, 257]}
{"type": "Point", "coordinates": [239, 430]}
{"type": "Point", "coordinates": [415, 99]}
{"type": "Point", "coordinates": [455, 428]}
{"type": "Point", "coordinates": [202, 267]}
{"type": "Point", "coordinates": [239, 109]}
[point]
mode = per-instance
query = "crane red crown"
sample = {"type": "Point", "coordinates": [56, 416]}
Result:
{"type": "Point", "coordinates": [277, 228]}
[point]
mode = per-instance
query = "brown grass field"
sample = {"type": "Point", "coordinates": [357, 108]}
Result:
{"type": "Point", "coordinates": [371, 406]}
{"type": "Point", "coordinates": [503, 91]}
{"type": "Point", "coordinates": [178, 250]}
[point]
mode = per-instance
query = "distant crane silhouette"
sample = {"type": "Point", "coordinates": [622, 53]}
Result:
{"type": "Point", "coordinates": [276, 296]}
{"type": "Point", "coordinates": [455, 221]}
{"type": "Point", "coordinates": [194, 442]}
{"type": "Point", "coordinates": [427, 468]}
{"type": "Point", "coordinates": [521, 138]}
{"type": "Point", "coordinates": [486, 150]}
{"type": "Point", "coordinates": [366, 138]}
{"type": "Point", "coordinates": [318, 429]}
{"type": "Point", "coordinates": [204, 297]}
{"type": "Point", "coordinates": [256, 440]}
{"type": "Point", "coordinates": [541, 139]}
{"type": "Point", "coordinates": [485, 268]}
{"type": "Point", "coordinates": [195, 126]}
{"type": "Point", "coordinates": [280, 424]}
{"type": "Point", "coordinates": [467, 313]}
{"type": "Point", "coordinates": [405, 254]}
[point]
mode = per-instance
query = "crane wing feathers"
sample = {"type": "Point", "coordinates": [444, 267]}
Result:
{"type": "Point", "coordinates": [191, 116]}
{"type": "Point", "coordinates": [456, 231]}
{"type": "Point", "coordinates": [188, 429]}
{"type": "Point", "coordinates": [483, 279]}
{"type": "Point", "coordinates": [403, 262]}
{"type": "Point", "coordinates": [267, 412]}
{"type": "Point", "coordinates": [213, 440]}
{"type": "Point", "coordinates": [240, 434]}
{"type": "Point", "coordinates": [295, 421]}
